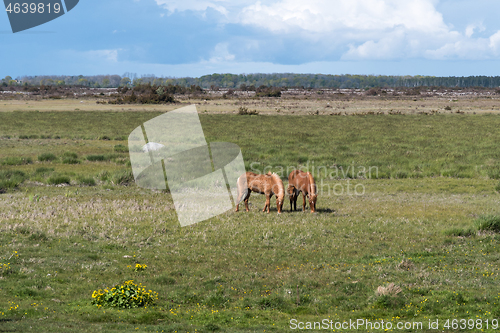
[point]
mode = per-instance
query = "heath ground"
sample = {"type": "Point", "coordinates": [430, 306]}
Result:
{"type": "Point", "coordinates": [406, 229]}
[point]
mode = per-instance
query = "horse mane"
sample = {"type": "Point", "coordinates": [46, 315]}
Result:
{"type": "Point", "coordinates": [312, 185]}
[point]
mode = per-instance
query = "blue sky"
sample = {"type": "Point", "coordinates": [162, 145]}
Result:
{"type": "Point", "coordinates": [196, 37]}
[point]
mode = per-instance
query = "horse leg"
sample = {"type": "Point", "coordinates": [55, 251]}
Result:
{"type": "Point", "coordinates": [246, 201]}
{"type": "Point", "coordinates": [268, 203]}
{"type": "Point", "coordinates": [303, 202]}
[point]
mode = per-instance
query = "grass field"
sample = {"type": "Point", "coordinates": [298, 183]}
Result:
{"type": "Point", "coordinates": [412, 241]}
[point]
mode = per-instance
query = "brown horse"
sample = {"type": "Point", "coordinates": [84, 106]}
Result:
{"type": "Point", "coordinates": [302, 182]}
{"type": "Point", "coordinates": [268, 185]}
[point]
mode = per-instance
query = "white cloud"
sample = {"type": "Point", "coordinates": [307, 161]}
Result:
{"type": "Point", "coordinates": [369, 29]}
{"type": "Point", "coordinates": [221, 53]}
{"type": "Point", "coordinates": [195, 5]}
{"type": "Point", "coordinates": [99, 55]}
{"type": "Point", "coordinates": [494, 42]}
{"type": "Point", "coordinates": [321, 16]}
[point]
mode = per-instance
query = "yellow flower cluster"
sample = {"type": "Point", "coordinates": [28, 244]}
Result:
{"type": "Point", "coordinates": [4, 268]}
{"type": "Point", "coordinates": [138, 267]}
{"type": "Point", "coordinates": [125, 295]}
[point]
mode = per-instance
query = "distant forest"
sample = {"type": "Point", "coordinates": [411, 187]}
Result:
{"type": "Point", "coordinates": [251, 81]}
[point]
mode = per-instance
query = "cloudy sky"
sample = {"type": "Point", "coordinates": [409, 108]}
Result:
{"type": "Point", "coordinates": [197, 37]}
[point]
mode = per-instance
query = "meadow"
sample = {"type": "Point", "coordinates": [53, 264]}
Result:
{"type": "Point", "coordinates": [413, 240]}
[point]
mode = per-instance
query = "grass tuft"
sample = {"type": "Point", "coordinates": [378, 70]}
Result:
{"type": "Point", "coordinates": [58, 179]}
{"type": "Point", "coordinates": [87, 181]}
{"type": "Point", "coordinates": [488, 223]}
{"type": "Point", "coordinates": [123, 178]}
{"type": "Point", "coordinates": [460, 232]}
{"type": "Point", "coordinates": [121, 149]}
{"type": "Point", "coordinates": [11, 179]}
{"type": "Point", "coordinates": [12, 160]}
{"type": "Point", "coordinates": [47, 157]}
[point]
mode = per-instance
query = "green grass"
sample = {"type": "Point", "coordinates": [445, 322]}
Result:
{"type": "Point", "coordinates": [10, 179]}
{"type": "Point", "coordinates": [47, 157]}
{"type": "Point", "coordinates": [12, 160]}
{"type": "Point", "coordinates": [488, 223]}
{"type": "Point", "coordinates": [58, 179]}
{"type": "Point", "coordinates": [428, 223]}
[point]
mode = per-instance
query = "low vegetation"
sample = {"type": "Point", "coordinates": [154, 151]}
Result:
{"type": "Point", "coordinates": [418, 241]}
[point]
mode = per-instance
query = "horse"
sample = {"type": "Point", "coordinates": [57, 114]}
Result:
{"type": "Point", "coordinates": [269, 185]}
{"type": "Point", "coordinates": [302, 182]}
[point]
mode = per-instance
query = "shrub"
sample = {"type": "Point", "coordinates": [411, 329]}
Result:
{"type": "Point", "coordinates": [89, 181]}
{"type": "Point", "coordinates": [96, 158]}
{"type": "Point", "coordinates": [126, 296]}
{"type": "Point", "coordinates": [123, 178]}
{"type": "Point", "coordinates": [121, 149]}
{"type": "Point", "coordinates": [46, 157]}
{"type": "Point", "coordinates": [488, 223]}
{"type": "Point", "coordinates": [11, 179]}
{"type": "Point", "coordinates": [70, 154]}
{"type": "Point", "coordinates": [17, 161]}
{"type": "Point", "coordinates": [103, 176]}
{"type": "Point", "coordinates": [494, 172]}
{"type": "Point", "coordinates": [58, 179]}
{"type": "Point", "coordinates": [43, 170]}
{"type": "Point", "coordinates": [70, 160]}
{"type": "Point", "coordinates": [245, 112]}
{"type": "Point", "coordinates": [458, 232]}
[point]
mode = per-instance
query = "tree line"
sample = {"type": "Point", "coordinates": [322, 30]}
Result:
{"type": "Point", "coordinates": [250, 81]}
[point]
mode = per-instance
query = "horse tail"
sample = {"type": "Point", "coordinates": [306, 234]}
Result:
{"type": "Point", "coordinates": [242, 188]}
{"type": "Point", "coordinates": [312, 185]}
{"type": "Point", "coordinates": [279, 184]}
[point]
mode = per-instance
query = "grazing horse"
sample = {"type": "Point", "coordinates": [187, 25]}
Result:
{"type": "Point", "coordinates": [300, 181]}
{"type": "Point", "coordinates": [268, 185]}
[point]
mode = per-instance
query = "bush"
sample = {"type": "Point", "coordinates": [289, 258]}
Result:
{"type": "Point", "coordinates": [458, 232]}
{"type": "Point", "coordinates": [70, 155]}
{"type": "Point", "coordinates": [103, 176]}
{"type": "Point", "coordinates": [96, 158]}
{"type": "Point", "coordinates": [88, 181]}
{"type": "Point", "coordinates": [126, 296]}
{"type": "Point", "coordinates": [17, 161]}
{"type": "Point", "coordinates": [121, 149]}
{"type": "Point", "coordinates": [58, 179]}
{"type": "Point", "coordinates": [245, 112]}
{"type": "Point", "coordinates": [11, 179]}
{"type": "Point", "coordinates": [488, 223]}
{"type": "Point", "coordinates": [70, 160]}
{"type": "Point", "coordinates": [123, 178]}
{"type": "Point", "coordinates": [47, 157]}
{"type": "Point", "coordinates": [43, 170]}
{"type": "Point", "coordinates": [494, 172]}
